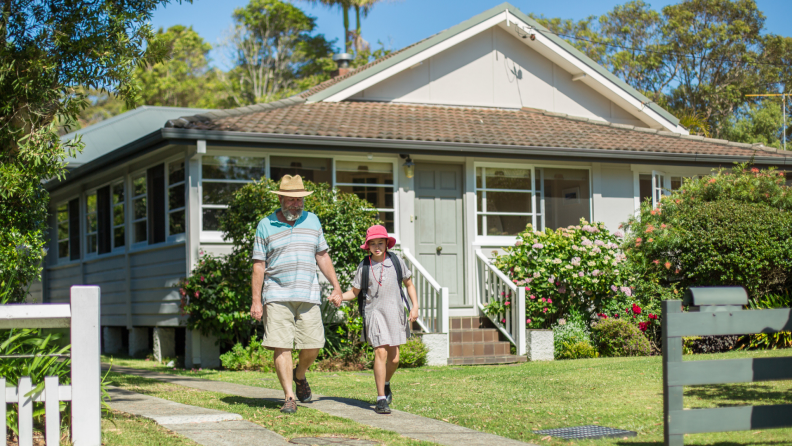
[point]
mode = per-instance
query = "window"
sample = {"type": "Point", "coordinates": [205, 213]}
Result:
{"type": "Point", "coordinates": [119, 235]}
{"type": "Point", "coordinates": [176, 198]}
{"type": "Point", "coordinates": [139, 208]}
{"type": "Point", "coordinates": [221, 176]}
{"type": "Point", "coordinates": [504, 200]}
{"type": "Point", "coordinates": [62, 217]}
{"type": "Point", "coordinates": [317, 170]}
{"type": "Point", "coordinates": [653, 186]}
{"type": "Point", "coordinates": [372, 182]}
{"type": "Point", "coordinates": [565, 197]}
{"type": "Point", "coordinates": [91, 224]}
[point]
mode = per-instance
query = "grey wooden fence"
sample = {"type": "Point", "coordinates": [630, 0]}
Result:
{"type": "Point", "coordinates": [718, 311]}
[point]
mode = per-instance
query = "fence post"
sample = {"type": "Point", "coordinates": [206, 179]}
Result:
{"type": "Point", "coordinates": [672, 353]}
{"type": "Point", "coordinates": [85, 368]}
{"type": "Point", "coordinates": [520, 321]}
{"type": "Point", "coordinates": [3, 432]}
{"type": "Point", "coordinates": [25, 411]}
{"type": "Point", "coordinates": [52, 410]}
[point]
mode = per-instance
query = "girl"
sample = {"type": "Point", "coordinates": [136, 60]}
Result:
{"type": "Point", "coordinates": [386, 325]}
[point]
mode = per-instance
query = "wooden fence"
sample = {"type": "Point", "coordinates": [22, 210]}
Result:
{"type": "Point", "coordinates": [718, 311]}
{"type": "Point", "coordinates": [82, 316]}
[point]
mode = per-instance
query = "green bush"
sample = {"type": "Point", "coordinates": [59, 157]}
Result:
{"type": "Point", "coordinates": [619, 337]}
{"type": "Point", "coordinates": [253, 357]}
{"type": "Point", "coordinates": [570, 338]}
{"type": "Point", "coordinates": [576, 350]}
{"type": "Point", "coordinates": [413, 353]}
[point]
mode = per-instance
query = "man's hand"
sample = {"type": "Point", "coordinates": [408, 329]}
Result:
{"type": "Point", "coordinates": [335, 297]}
{"type": "Point", "coordinates": [413, 314]}
{"type": "Point", "coordinates": [257, 310]}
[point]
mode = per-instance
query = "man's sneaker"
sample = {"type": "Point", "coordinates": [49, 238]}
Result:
{"type": "Point", "coordinates": [388, 394]}
{"type": "Point", "coordinates": [382, 407]}
{"type": "Point", "coordinates": [303, 389]}
{"type": "Point", "coordinates": [290, 406]}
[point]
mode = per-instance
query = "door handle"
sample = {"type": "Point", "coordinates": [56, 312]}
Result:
{"type": "Point", "coordinates": [439, 249]}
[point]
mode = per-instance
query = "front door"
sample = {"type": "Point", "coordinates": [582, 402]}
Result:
{"type": "Point", "coordinates": [439, 226]}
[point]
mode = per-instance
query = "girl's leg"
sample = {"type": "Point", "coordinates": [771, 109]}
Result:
{"type": "Point", "coordinates": [393, 362]}
{"type": "Point", "coordinates": [380, 368]}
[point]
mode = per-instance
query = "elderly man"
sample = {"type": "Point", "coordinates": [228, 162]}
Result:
{"type": "Point", "coordinates": [289, 246]}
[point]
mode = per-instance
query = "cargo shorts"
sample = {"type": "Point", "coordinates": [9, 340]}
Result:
{"type": "Point", "coordinates": [293, 325]}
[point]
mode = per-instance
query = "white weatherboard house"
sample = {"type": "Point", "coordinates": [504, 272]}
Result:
{"type": "Point", "coordinates": [506, 124]}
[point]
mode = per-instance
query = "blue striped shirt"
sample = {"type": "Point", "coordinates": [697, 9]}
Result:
{"type": "Point", "coordinates": [290, 256]}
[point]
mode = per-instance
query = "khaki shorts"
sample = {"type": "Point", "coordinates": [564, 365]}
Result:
{"type": "Point", "coordinates": [293, 325]}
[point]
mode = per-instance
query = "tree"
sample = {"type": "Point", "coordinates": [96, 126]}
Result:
{"type": "Point", "coordinates": [759, 123]}
{"type": "Point", "coordinates": [48, 49]}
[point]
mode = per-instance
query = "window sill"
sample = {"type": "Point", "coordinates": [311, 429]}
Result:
{"type": "Point", "coordinates": [495, 240]}
{"type": "Point", "coordinates": [213, 237]}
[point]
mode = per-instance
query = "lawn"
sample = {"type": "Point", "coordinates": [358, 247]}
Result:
{"type": "Point", "coordinates": [511, 401]}
{"type": "Point", "coordinates": [120, 429]}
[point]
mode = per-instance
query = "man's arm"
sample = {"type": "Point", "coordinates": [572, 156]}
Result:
{"type": "Point", "coordinates": [256, 309]}
{"type": "Point", "coordinates": [325, 264]}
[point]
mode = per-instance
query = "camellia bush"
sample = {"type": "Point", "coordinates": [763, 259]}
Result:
{"type": "Point", "coordinates": [577, 269]}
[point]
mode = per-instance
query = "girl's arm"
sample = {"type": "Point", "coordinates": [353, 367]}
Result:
{"type": "Point", "coordinates": [349, 295]}
{"type": "Point", "coordinates": [413, 297]}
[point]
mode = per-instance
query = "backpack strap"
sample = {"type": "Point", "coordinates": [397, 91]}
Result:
{"type": "Point", "coordinates": [399, 275]}
{"type": "Point", "coordinates": [364, 284]}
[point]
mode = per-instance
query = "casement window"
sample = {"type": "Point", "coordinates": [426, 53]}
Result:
{"type": "Point", "coordinates": [372, 182]}
{"type": "Point", "coordinates": [139, 208]}
{"type": "Point", "coordinates": [565, 196]}
{"type": "Point", "coordinates": [317, 170]}
{"type": "Point", "coordinates": [91, 224]}
{"type": "Point", "coordinates": [62, 224]}
{"type": "Point", "coordinates": [221, 176]}
{"type": "Point", "coordinates": [176, 198]}
{"type": "Point", "coordinates": [119, 217]}
{"type": "Point", "coordinates": [653, 186]}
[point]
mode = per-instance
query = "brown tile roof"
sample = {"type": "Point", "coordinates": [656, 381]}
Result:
{"type": "Point", "coordinates": [523, 128]}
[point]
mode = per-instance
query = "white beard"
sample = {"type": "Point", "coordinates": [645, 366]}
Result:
{"type": "Point", "coordinates": [292, 215]}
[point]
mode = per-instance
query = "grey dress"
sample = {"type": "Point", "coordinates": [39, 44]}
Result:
{"type": "Point", "coordinates": [386, 321]}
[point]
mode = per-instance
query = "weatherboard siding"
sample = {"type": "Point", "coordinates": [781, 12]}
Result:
{"type": "Point", "coordinates": [153, 277]}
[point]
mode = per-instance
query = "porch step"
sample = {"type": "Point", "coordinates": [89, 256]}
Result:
{"type": "Point", "coordinates": [473, 360]}
{"type": "Point", "coordinates": [467, 349]}
{"type": "Point", "coordinates": [475, 340]}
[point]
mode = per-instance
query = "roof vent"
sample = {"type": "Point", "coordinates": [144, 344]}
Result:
{"type": "Point", "coordinates": [342, 61]}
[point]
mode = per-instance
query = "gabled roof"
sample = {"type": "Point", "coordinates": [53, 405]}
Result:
{"type": "Point", "coordinates": [122, 129]}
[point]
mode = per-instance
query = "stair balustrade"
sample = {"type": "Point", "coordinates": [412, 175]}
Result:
{"type": "Point", "coordinates": [494, 285]}
{"type": "Point", "coordinates": [432, 298]}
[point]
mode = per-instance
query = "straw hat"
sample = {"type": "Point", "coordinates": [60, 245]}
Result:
{"type": "Point", "coordinates": [292, 186]}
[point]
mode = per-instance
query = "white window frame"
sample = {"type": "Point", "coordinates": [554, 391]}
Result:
{"type": "Point", "coordinates": [124, 206]}
{"type": "Point", "coordinates": [68, 232]}
{"type": "Point", "coordinates": [484, 189]}
{"type": "Point", "coordinates": [168, 186]}
{"type": "Point", "coordinates": [661, 182]}
{"type": "Point", "coordinates": [86, 232]}
{"type": "Point", "coordinates": [395, 185]}
{"type": "Point", "coordinates": [131, 208]}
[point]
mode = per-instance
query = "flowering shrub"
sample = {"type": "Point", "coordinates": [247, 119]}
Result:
{"type": "Point", "coordinates": [619, 337]}
{"type": "Point", "coordinates": [571, 269]}
{"type": "Point", "coordinates": [572, 340]}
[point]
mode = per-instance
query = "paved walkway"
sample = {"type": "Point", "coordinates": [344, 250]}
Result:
{"type": "Point", "coordinates": [204, 426]}
{"type": "Point", "coordinates": [403, 423]}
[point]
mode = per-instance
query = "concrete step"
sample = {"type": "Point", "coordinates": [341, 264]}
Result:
{"type": "Point", "coordinates": [474, 335]}
{"type": "Point", "coordinates": [479, 349]}
{"type": "Point", "coordinates": [473, 360]}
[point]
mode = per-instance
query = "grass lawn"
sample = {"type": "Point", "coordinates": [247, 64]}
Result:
{"type": "Point", "coordinates": [120, 429]}
{"type": "Point", "coordinates": [511, 401]}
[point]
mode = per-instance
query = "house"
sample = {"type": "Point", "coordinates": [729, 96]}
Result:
{"type": "Point", "coordinates": [459, 140]}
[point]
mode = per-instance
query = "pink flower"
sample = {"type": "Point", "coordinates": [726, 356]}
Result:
{"type": "Point", "coordinates": [503, 321]}
{"type": "Point", "coordinates": [527, 288]}
{"type": "Point", "coordinates": [182, 291]}
{"type": "Point", "coordinates": [581, 274]}
{"type": "Point", "coordinates": [507, 303]}
{"type": "Point", "coordinates": [614, 289]}
{"type": "Point", "coordinates": [527, 321]}
{"type": "Point", "coordinates": [518, 243]}
{"type": "Point", "coordinates": [544, 310]}
{"type": "Point", "coordinates": [196, 294]}
{"type": "Point", "coordinates": [549, 300]}
{"type": "Point", "coordinates": [537, 246]}
{"type": "Point", "coordinates": [532, 296]}
{"type": "Point", "coordinates": [202, 278]}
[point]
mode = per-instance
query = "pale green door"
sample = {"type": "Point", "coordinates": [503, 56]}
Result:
{"type": "Point", "coordinates": [439, 226]}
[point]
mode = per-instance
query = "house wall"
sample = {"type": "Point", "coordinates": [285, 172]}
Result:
{"type": "Point", "coordinates": [494, 69]}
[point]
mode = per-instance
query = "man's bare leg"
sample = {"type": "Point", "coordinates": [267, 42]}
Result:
{"type": "Point", "coordinates": [307, 357]}
{"type": "Point", "coordinates": [283, 366]}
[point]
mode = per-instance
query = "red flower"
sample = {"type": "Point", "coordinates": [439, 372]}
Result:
{"type": "Point", "coordinates": [754, 170]}
{"type": "Point", "coordinates": [636, 309]}
{"type": "Point", "coordinates": [202, 278]}
{"type": "Point", "coordinates": [643, 326]}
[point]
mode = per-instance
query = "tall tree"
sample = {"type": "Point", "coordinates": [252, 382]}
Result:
{"type": "Point", "coordinates": [49, 48]}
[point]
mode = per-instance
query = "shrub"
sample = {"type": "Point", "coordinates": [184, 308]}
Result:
{"type": "Point", "coordinates": [413, 353]}
{"type": "Point", "coordinates": [618, 337]}
{"type": "Point", "coordinates": [253, 357]}
{"type": "Point", "coordinates": [576, 350]}
{"type": "Point", "coordinates": [782, 339]}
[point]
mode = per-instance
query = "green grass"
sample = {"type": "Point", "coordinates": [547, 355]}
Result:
{"type": "Point", "coordinates": [306, 422]}
{"type": "Point", "coordinates": [120, 429]}
{"type": "Point", "coordinates": [511, 401]}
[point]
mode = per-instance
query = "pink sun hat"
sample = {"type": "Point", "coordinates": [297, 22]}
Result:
{"type": "Point", "coordinates": [378, 231]}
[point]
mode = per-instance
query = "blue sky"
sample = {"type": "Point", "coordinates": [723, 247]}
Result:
{"type": "Point", "coordinates": [398, 23]}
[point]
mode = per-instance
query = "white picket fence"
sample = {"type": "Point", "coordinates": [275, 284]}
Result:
{"type": "Point", "coordinates": [82, 316]}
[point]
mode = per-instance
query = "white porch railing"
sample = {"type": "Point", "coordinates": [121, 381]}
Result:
{"type": "Point", "coordinates": [432, 298]}
{"type": "Point", "coordinates": [82, 315]}
{"type": "Point", "coordinates": [493, 285]}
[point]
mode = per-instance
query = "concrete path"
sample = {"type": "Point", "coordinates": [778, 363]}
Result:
{"type": "Point", "coordinates": [403, 423]}
{"type": "Point", "coordinates": [204, 426]}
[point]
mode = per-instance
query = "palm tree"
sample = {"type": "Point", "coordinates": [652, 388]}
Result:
{"type": "Point", "coordinates": [344, 5]}
{"type": "Point", "coordinates": [361, 6]}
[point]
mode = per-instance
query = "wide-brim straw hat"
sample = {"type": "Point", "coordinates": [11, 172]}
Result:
{"type": "Point", "coordinates": [292, 186]}
{"type": "Point", "coordinates": [378, 231]}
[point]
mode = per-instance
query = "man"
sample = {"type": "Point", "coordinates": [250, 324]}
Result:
{"type": "Point", "coordinates": [289, 245]}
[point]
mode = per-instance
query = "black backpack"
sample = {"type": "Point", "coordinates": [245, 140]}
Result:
{"type": "Point", "coordinates": [364, 283]}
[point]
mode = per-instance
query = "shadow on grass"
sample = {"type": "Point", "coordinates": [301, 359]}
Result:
{"type": "Point", "coordinates": [736, 395]}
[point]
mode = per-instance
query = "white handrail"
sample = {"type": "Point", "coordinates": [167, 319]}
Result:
{"type": "Point", "coordinates": [514, 328]}
{"type": "Point", "coordinates": [435, 304]}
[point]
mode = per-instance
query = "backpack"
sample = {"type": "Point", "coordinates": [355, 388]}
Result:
{"type": "Point", "coordinates": [364, 282]}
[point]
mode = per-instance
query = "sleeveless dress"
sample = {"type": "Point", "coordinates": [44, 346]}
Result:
{"type": "Point", "coordinates": [386, 318]}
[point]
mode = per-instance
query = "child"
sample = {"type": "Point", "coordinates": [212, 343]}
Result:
{"type": "Point", "coordinates": [385, 323]}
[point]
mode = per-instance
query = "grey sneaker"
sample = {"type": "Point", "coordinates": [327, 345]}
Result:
{"type": "Point", "coordinates": [388, 394]}
{"type": "Point", "coordinates": [382, 407]}
{"type": "Point", "coordinates": [289, 406]}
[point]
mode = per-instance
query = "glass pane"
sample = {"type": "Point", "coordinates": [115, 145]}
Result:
{"type": "Point", "coordinates": [139, 185]}
{"type": "Point", "coordinates": [505, 201]}
{"type": "Point", "coordinates": [232, 167]}
{"type": "Point", "coordinates": [90, 203]}
{"type": "Point", "coordinates": [479, 184]}
{"type": "Point", "coordinates": [219, 193]}
{"type": "Point", "coordinates": [567, 197]}
{"type": "Point", "coordinates": [498, 178]}
{"type": "Point", "coordinates": [317, 170]}
{"type": "Point", "coordinates": [118, 193]}
{"type": "Point", "coordinates": [63, 213]}
{"type": "Point", "coordinates": [63, 231]}
{"type": "Point", "coordinates": [388, 219]}
{"type": "Point", "coordinates": [91, 244]}
{"type": "Point", "coordinates": [63, 249]}
{"type": "Point", "coordinates": [379, 197]}
{"type": "Point", "coordinates": [176, 196]}
{"type": "Point", "coordinates": [175, 172]}
{"type": "Point", "coordinates": [90, 222]}
{"type": "Point", "coordinates": [118, 237]}
{"type": "Point", "coordinates": [140, 231]}
{"type": "Point", "coordinates": [645, 186]}
{"type": "Point", "coordinates": [176, 222]}
{"type": "Point", "coordinates": [676, 183]}
{"type": "Point", "coordinates": [140, 208]}
{"type": "Point", "coordinates": [505, 224]}
{"type": "Point", "coordinates": [364, 172]}
{"type": "Point", "coordinates": [118, 214]}
{"type": "Point", "coordinates": [211, 219]}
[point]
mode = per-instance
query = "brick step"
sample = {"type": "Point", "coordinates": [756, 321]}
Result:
{"type": "Point", "coordinates": [470, 322]}
{"type": "Point", "coordinates": [479, 349]}
{"type": "Point", "coordinates": [474, 335]}
{"type": "Point", "coordinates": [472, 360]}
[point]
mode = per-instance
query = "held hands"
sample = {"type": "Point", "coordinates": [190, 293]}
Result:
{"type": "Point", "coordinates": [335, 297]}
{"type": "Point", "coordinates": [413, 314]}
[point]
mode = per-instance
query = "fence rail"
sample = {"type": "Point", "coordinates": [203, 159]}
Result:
{"type": "Point", "coordinates": [718, 311]}
{"type": "Point", "coordinates": [493, 285]}
{"type": "Point", "coordinates": [82, 317]}
{"type": "Point", "coordinates": [432, 298]}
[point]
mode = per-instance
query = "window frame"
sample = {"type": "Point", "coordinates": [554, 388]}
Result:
{"type": "Point", "coordinates": [113, 226]}
{"type": "Point", "coordinates": [393, 162]}
{"type": "Point", "coordinates": [58, 240]}
{"type": "Point", "coordinates": [662, 180]}
{"type": "Point", "coordinates": [131, 209]}
{"type": "Point", "coordinates": [168, 211]}
{"type": "Point", "coordinates": [84, 217]}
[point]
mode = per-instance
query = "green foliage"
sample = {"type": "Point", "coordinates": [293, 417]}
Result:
{"type": "Point", "coordinates": [731, 228]}
{"type": "Point", "coordinates": [760, 123]}
{"type": "Point", "coordinates": [253, 357]}
{"type": "Point", "coordinates": [576, 350]}
{"type": "Point", "coordinates": [782, 339]}
{"type": "Point", "coordinates": [413, 353]}
{"type": "Point", "coordinates": [619, 337]}
{"type": "Point", "coordinates": [572, 339]}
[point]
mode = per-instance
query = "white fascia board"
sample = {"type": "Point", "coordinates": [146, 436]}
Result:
{"type": "Point", "coordinates": [593, 75]}
{"type": "Point", "coordinates": [420, 57]}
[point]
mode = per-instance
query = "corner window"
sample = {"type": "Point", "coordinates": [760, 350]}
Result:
{"type": "Point", "coordinates": [176, 198]}
{"type": "Point", "coordinates": [221, 176]}
{"type": "Point", "coordinates": [504, 200]}
{"type": "Point", "coordinates": [372, 182]}
{"type": "Point", "coordinates": [91, 224]}
{"type": "Point", "coordinates": [62, 217]}
{"type": "Point", "coordinates": [139, 208]}
{"type": "Point", "coordinates": [119, 233]}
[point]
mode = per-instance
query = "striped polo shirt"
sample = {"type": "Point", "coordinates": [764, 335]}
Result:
{"type": "Point", "coordinates": [290, 253]}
